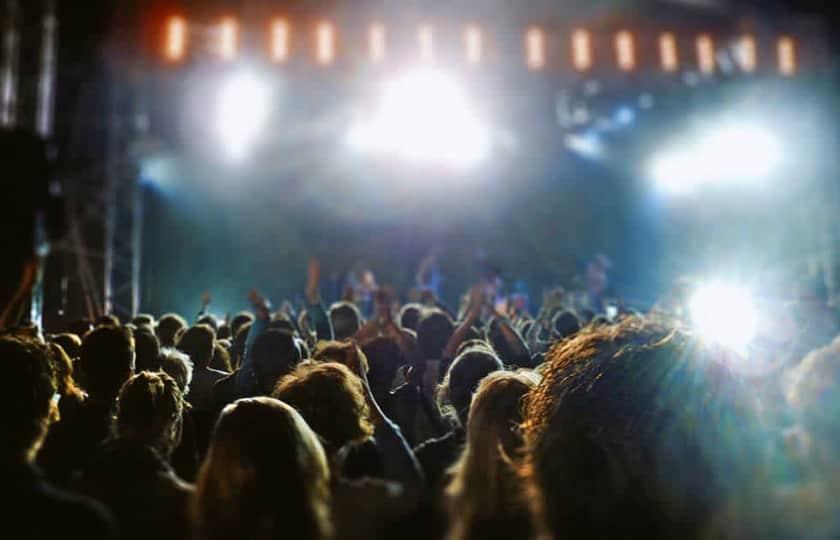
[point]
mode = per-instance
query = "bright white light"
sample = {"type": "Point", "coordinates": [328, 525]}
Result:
{"type": "Point", "coordinates": [424, 117]}
{"type": "Point", "coordinates": [242, 108]}
{"type": "Point", "coordinates": [730, 154]}
{"type": "Point", "coordinates": [724, 314]}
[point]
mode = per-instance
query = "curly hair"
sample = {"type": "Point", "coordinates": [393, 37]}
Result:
{"type": "Point", "coordinates": [635, 428]}
{"type": "Point", "coordinates": [149, 410]}
{"type": "Point", "coordinates": [331, 399]}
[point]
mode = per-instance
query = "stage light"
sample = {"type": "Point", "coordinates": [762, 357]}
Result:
{"type": "Point", "coordinates": [473, 44]}
{"type": "Point", "coordinates": [242, 109]}
{"type": "Point", "coordinates": [424, 117]}
{"type": "Point", "coordinates": [706, 54]}
{"type": "Point", "coordinates": [535, 49]}
{"type": "Point", "coordinates": [786, 51]}
{"type": "Point", "coordinates": [668, 53]}
{"type": "Point", "coordinates": [280, 34]}
{"type": "Point", "coordinates": [734, 153]}
{"type": "Point", "coordinates": [176, 39]}
{"type": "Point", "coordinates": [724, 314]}
{"type": "Point", "coordinates": [426, 41]}
{"type": "Point", "coordinates": [746, 53]}
{"type": "Point", "coordinates": [228, 37]}
{"type": "Point", "coordinates": [581, 50]}
{"type": "Point", "coordinates": [325, 43]}
{"type": "Point", "coordinates": [376, 40]}
{"type": "Point", "coordinates": [625, 51]}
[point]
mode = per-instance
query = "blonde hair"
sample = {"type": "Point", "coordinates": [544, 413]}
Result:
{"type": "Point", "coordinates": [265, 476]}
{"type": "Point", "coordinates": [484, 483]}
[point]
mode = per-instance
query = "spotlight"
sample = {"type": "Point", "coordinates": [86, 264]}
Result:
{"type": "Point", "coordinates": [535, 49]}
{"type": "Point", "coordinates": [424, 117]}
{"type": "Point", "coordinates": [242, 107]}
{"type": "Point", "coordinates": [730, 154]}
{"type": "Point", "coordinates": [176, 39]}
{"type": "Point", "coordinates": [724, 314]}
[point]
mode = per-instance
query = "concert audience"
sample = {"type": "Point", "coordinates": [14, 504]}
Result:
{"type": "Point", "coordinates": [575, 422]}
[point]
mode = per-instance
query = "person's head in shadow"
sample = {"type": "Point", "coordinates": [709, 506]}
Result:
{"type": "Point", "coordinates": [198, 342]}
{"type": "Point", "coordinates": [106, 362]}
{"type": "Point", "coordinates": [27, 406]}
{"type": "Point", "coordinates": [346, 319]}
{"type": "Point", "coordinates": [265, 476]}
{"type": "Point", "coordinates": [276, 353]}
{"type": "Point", "coordinates": [455, 394]}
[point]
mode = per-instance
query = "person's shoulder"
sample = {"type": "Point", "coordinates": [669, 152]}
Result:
{"type": "Point", "coordinates": [76, 515]}
{"type": "Point", "coordinates": [431, 449]}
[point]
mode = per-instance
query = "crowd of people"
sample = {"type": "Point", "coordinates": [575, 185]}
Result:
{"type": "Point", "coordinates": [416, 421]}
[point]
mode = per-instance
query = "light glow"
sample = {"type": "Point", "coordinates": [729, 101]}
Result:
{"type": "Point", "coordinates": [625, 50]}
{"type": "Point", "coordinates": [668, 53]}
{"type": "Point", "coordinates": [535, 49]}
{"type": "Point", "coordinates": [473, 44]}
{"type": "Point", "coordinates": [426, 41]}
{"type": "Point", "coordinates": [729, 154]}
{"type": "Point", "coordinates": [706, 54]}
{"type": "Point", "coordinates": [242, 109]}
{"type": "Point", "coordinates": [581, 50]}
{"type": "Point", "coordinates": [228, 38]}
{"type": "Point", "coordinates": [325, 43]}
{"type": "Point", "coordinates": [724, 314]}
{"type": "Point", "coordinates": [176, 39]}
{"type": "Point", "coordinates": [376, 41]}
{"type": "Point", "coordinates": [424, 117]}
{"type": "Point", "coordinates": [280, 33]}
{"type": "Point", "coordinates": [746, 54]}
{"type": "Point", "coordinates": [786, 50]}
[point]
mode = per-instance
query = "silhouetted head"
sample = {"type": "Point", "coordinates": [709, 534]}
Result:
{"type": "Point", "coordinates": [346, 319]}
{"type": "Point", "coordinates": [169, 329]}
{"type": "Point", "coordinates": [455, 393]}
{"type": "Point", "coordinates": [276, 353]}
{"type": "Point", "coordinates": [198, 342]}
{"type": "Point", "coordinates": [433, 333]}
{"type": "Point", "coordinates": [106, 361]}
{"type": "Point", "coordinates": [26, 405]}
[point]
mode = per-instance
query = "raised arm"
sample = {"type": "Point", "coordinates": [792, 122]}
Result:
{"type": "Point", "coordinates": [463, 329]}
{"type": "Point", "coordinates": [245, 377]}
{"type": "Point", "coordinates": [314, 308]}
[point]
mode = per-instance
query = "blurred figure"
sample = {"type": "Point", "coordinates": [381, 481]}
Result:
{"type": "Point", "coordinates": [130, 473]}
{"type": "Point", "coordinates": [454, 396]}
{"type": "Point", "coordinates": [486, 499]}
{"type": "Point", "coordinates": [32, 508]}
{"type": "Point", "coordinates": [169, 329]}
{"type": "Point", "coordinates": [265, 477]}
{"type": "Point", "coordinates": [106, 363]}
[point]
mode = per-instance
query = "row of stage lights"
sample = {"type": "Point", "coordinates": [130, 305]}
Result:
{"type": "Point", "coordinates": [177, 36]}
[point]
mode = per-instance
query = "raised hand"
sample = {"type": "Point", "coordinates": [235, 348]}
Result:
{"type": "Point", "coordinates": [313, 277]}
{"type": "Point", "coordinates": [206, 299]}
{"type": "Point", "coordinates": [260, 304]}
